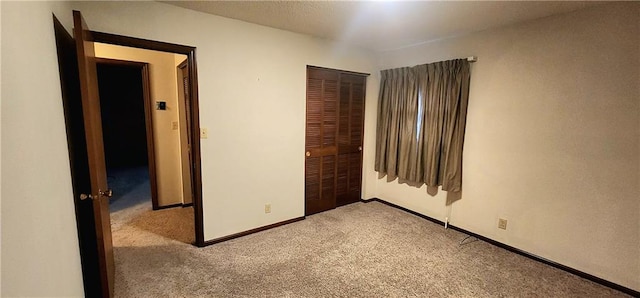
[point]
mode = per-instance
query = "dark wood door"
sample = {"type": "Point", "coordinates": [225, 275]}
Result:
{"type": "Point", "coordinates": [185, 140]}
{"type": "Point", "coordinates": [334, 134]}
{"type": "Point", "coordinates": [71, 101]}
{"type": "Point", "coordinates": [350, 137]}
{"type": "Point", "coordinates": [99, 193]}
{"type": "Point", "coordinates": [321, 140]}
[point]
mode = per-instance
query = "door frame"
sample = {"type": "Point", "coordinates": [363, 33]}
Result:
{"type": "Point", "coordinates": [148, 120]}
{"type": "Point", "coordinates": [196, 168]}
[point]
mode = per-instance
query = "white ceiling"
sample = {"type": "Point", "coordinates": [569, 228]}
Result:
{"type": "Point", "coordinates": [383, 25]}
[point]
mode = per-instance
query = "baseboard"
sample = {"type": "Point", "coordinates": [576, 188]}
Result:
{"type": "Point", "coordinates": [168, 206]}
{"type": "Point", "coordinates": [431, 219]}
{"type": "Point", "coordinates": [173, 206]}
{"type": "Point", "coordinates": [248, 232]}
{"type": "Point", "coordinates": [529, 255]}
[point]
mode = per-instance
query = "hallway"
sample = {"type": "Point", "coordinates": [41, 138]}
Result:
{"type": "Point", "coordinates": [132, 213]}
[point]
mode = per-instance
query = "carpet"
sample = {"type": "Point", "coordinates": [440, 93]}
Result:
{"type": "Point", "coordinates": [130, 187]}
{"type": "Point", "coordinates": [359, 250]}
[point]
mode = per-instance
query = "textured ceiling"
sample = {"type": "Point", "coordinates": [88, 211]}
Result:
{"type": "Point", "coordinates": [382, 26]}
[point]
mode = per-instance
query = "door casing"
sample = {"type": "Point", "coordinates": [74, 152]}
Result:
{"type": "Point", "coordinates": [190, 52]}
{"type": "Point", "coordinates": [84, 140]}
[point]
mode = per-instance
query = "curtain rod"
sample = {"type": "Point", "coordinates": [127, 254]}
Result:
{"type": "Point", "coordinates": [472, 58]}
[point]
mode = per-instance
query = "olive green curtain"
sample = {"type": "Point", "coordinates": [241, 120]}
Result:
{"type": "Point", "coordinates": [421, 121]}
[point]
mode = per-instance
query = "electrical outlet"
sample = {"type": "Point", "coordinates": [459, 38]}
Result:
{"type": "Point", "coordinates": [174, 125]}
{"type": "Point", "coordinates": [502, 223]}
{"type": "Point", "coordinates": [267, 208]}
{"type": "Point", "coordinates": [204, 133]}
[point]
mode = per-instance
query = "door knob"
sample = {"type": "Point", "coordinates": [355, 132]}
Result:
{"type": "Point", "coordinates": [106, 193]}
{"type": "Point", "coordinates": [359, 148]}
{"type": "Point", "coordinates": [308, 154]}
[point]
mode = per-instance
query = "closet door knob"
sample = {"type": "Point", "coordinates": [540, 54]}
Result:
{"type": "Point", "coordinates": [308, 154]}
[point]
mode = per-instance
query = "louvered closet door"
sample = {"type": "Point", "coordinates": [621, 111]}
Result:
{"type": "Point", "coordinates": [321, 140]}
{"type": "Point", "coordinates": [350, 137]}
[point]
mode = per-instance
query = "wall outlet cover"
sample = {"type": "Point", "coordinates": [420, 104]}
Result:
{"type": "Point", "coordinates": [502, 223]}
{"type": "Point", "coordinates": [204, 133]}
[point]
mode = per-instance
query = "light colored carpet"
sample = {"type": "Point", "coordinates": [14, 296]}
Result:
{"type": "Point", "coordinates": [360, 250]}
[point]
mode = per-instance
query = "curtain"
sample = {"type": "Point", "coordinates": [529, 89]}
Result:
{"type": "Point", "coordinates": [421, 121]}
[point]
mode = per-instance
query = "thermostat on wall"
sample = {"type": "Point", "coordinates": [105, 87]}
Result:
{"type": "Point", "coordinates": [161, 105]}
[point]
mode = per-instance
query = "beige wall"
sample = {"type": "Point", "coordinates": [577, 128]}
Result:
{"type": "Point", "coordinates": [40, 255]}
{"type": "Point", "coordinates": [163, 80]}
{"type": "Point", "coordinates": [252, 100]}
{"type": "Point", "coordinates": [552, 139]}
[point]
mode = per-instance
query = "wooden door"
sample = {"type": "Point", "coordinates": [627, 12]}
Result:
{"type": "Point", "coordinates": [321, 140]}
{"type": "Point", "coordinates": [334, 135]}
{"type": "Point", "coordinates": [99, 193]}
{"type": "Point", "coordinates": [184, 100]}
{"type": "Point", "coordinates": [350, 137]}
{"type": "Point", "coordinates": [71, 102]}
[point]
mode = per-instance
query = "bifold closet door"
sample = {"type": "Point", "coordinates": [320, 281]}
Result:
{"type": "Point", "coordinates": [350, 137]}
{"type": "Point", "coordinates": [321, 140]}
{"type": "Point", "coordinates": [334, 134]}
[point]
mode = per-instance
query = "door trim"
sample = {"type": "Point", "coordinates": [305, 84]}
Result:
{"type": "Point", "coordinates": [148, 120]}
{"type": "Point", "coordinates": [190, 52]}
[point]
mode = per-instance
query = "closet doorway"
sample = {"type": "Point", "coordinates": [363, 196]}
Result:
{"type": "Point", "coordinates": [333, 138]}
